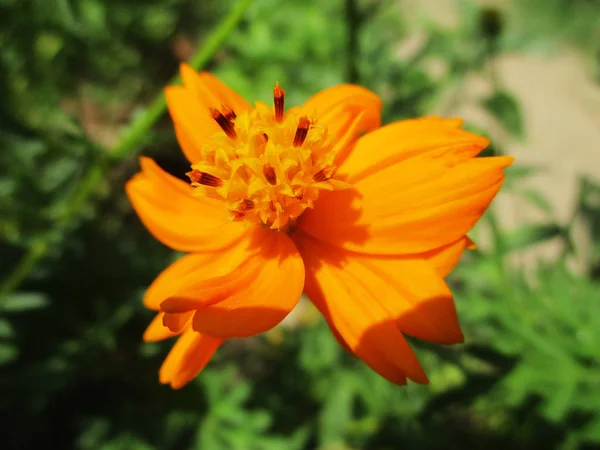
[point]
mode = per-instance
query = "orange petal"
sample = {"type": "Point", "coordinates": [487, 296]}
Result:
{"type": "Point", "coordinates": [192, 119]}
{"type": "Point", "coordinates": [275, 286]}
{"type": "Point", "coordinates": [246, 290]}
{"type": "Point", "coordinates": [156, 331]}
{"type": "Point", "coordinates": [169, 279]}
{"type": "Point", "coordinates": [210, 91]}
{"type": "Point", "coordinates": [414, 206]}
{"type": "Point", "coordinates": [345, 108]}
{"type": "Point", "coordinates": [188, 144]}
{"type": "Point", "coordinates": [409, 288]}
{"type": "Point", "coordinates": [177, 322]}
{"type": "Point", "coordinates": [187, 358]}
{"type": "Point", "coordinates": [189, 107]}
{"type": "Point", "coordinates": [371, 301]}
{"type": "Point", "coordinates": [445, 258]}
{"type": "Point", "coordinates": [267, 292]}
{"type": "Point", "coordinates": [199, 272]}
{"type": "Point", "coordinates": [408, 138]}
{"type": "Point", "coordinates": [177, 218]}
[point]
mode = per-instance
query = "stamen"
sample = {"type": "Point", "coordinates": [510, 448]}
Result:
{"type": "Point", "coordinates": [270, 174]}
{"type": "Point", "coordinates": [301, 131]}
{"type": "Point", "coordinates": [246, 205]}
{"type": "Point", "coordinates": [266, 165]}
{"type": "Point", "coordinates": [228, 113]}
{"type": "Point", "coordinates": [242, 207]}
{"type": "Point", "coordinates": [225, 123]}
{"type": "Point", "coordinates": [278, 95]}
{"type": "Point", "coordinates": [204, 178]}
{"type": "Point", "coordinates": [323, 175]}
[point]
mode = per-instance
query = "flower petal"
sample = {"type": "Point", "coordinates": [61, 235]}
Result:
{"type": "Point", "coordinates": [189, 107]}
{"type": "Point", "coordinates": [371, 301]}
{"type": "Point", "coordinates": [445, 258]}
{"type": "Point", "coordinates": [177, 322]}
{"type": "Point", "coordinates": [156, 331]}
{"type": "Point", "coordinates": [177, 218]}
{"type": "Point", "coordinates": [251, 292]}
{"type": "Point", "coordinates": [212, 92]}
{"type": "Point", "coordinates": [192, 119]}
{"type": "Point", "coordinates": [345, 108]}
{"type": "Point", "coordinates": [201, 272]}
{"type": "Point", "coordinates": [187, 358]}
{"type": "Point", "coordinates": [406, 139]}
{"type": "Point", "coordinates": [414, 206]}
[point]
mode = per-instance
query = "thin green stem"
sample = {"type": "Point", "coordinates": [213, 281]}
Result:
{"type": "Point", "coordinates": [137, 133]}
{"type": "Point", "coordinates": [23, 268]}
{"type": "Point", "coordinates": [132, 140]}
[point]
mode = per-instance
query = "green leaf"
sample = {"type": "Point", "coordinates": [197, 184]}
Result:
{"type": "Point", "coordinates": [537, 199]}
{"type": "Point", "coordinates": [48, 45]}
{"type": "Point", "coordinates": [8, 353]}
{"type": "Point", "coordinates": [506, 110]}
{"type": "Point", "coordinates": [6, 329]}
{"type": "Point", "coordinates": [319, 351]}
{"type": "Point", "coordinates": [93, 17]}
{"type": "Point", "coordinates": [337, 412]}
{"type": "Point", "coordinates": [23, 301]}
{"type": "Point", "coordinates": [591, 432]}
{"type": "Point", "coordinates": [529, 235]}
{"type": "Point", "coordinates": [56, 174]}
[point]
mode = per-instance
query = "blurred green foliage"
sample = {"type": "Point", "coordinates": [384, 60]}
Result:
{"type": "Point", "coordinates": [74, 371]}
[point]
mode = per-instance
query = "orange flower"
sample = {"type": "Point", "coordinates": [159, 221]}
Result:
{"type": "Point", "coordinates": [285, 201]}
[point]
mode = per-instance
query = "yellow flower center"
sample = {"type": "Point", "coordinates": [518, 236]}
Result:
{"type": "Point", "coordinates": [268, 166]}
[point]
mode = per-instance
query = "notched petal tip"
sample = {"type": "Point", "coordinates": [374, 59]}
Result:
{"type": "Point", "coordinates": [470, 244]}
{"type": "Point", "coordinates": [187, 73]}
{"type": "Point", "coordinates": [173, 94]}
{"type": "Point", "coordinates": [178, 305]}
{"type": "Point", "coordinates": [338, 107]}
{"type": "Point", "coordinates": [156, 331]}
{"type": "Point", "coordinates": [177, 322]}
{"type": "Point", "coordinates": [147, 164]}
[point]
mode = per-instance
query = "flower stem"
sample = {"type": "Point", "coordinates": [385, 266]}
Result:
{"type": "Point", "coordinates": [133, 138]}
{"type": "Point", "coordinates": [137, 133]}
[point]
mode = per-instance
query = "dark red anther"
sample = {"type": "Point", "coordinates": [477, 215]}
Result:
{"type": "Point", "coordinates": [246, 205]}
{"type": "Point", "coordinates": [225, 123]}
{"type": "Point", "coordinates": [228, 113]}
{"type": "Point", "coordinates": [301, 131]}
{"type": "Point", "coordinates": [197, 176]}
{"type": "Point", "coordinates": [278, 96]}
{"type": "Point", "coordinates": [322, 175]}
{"type": "Point", "coordinates": [270, 174]}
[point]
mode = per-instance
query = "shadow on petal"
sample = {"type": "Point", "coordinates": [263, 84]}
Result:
{"type": "Point", "coordinates": [331, 209]}
{"type": "Point", "coordinates": [248, 297]}
{"type": "Point", "coordinates": [418, 205]}
{"type": "Point", "coordinates": [371, 312]}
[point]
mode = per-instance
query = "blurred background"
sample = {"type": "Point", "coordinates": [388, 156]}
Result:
{"type": "Point", "coordinates": [80, 83]}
